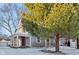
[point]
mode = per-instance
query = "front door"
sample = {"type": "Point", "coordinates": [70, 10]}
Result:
{"type": "Point", "coordinates": [23, 40]}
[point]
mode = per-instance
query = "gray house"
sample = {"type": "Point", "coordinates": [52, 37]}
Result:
{"type": "Point", "coordinates": [23, 39]}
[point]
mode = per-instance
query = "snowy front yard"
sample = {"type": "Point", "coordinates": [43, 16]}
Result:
{"type": "Point", "coordinates": [37, 51]}
{"type": "Point", "coordinates": [66, 50]}
{"type": "Point", "coordinates": [21, 51]}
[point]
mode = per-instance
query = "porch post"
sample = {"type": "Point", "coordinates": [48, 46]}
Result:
{"type": "Point", "coordinates": [45, 43]}
{"type": "Point", "coordinates": [17, 41]}
{"type": "Point", "coordinates": [49, 42]}
{"type": "Point", "coordinates": [30, 41]}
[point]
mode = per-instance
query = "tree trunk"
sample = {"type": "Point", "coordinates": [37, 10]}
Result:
{"type": "Point", "coordinates": [57, 42]}
{"type": "Point", "coordinates": [77, 43]}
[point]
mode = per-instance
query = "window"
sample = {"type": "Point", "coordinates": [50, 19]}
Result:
{"type": "Point", "coordinates": [47, 40]}
{"type": "Point", "coordinates": [38, 40]}
{"type": "Point", "coordinates": [15, 37]}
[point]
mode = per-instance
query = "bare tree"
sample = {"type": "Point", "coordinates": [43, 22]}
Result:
{"type": "Point", "coordinates": [9, 18]}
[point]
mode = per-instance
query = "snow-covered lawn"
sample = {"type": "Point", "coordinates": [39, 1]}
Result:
{"type": "Point", "coordinates": [21, 51]}
{"type": "Point", "coordinates": [66, 50]}
{"type": "Point", "coordinates": [37, 51]}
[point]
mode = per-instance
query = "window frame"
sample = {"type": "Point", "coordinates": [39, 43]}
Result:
{"type": "Point", "coordinates": [37, 40]}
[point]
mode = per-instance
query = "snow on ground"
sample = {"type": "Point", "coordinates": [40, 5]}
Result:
{"type": "Point", "coordinates": [36, 51]}
{"type": "Point", "coordinates": [21, 51]}
{"type": "Point", "coordinates": [67, 50]}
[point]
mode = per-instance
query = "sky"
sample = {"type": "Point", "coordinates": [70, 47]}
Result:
{"type": "Point", "coordinates": [20, 7]}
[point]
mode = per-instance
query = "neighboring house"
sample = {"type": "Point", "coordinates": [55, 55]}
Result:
{"type": "Point", "coordinates": [4, 40]}
{"type": "Point", "coordinates": [3, 43]}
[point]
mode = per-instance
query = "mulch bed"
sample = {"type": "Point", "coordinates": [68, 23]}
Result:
{"type": "Point", "coordinates": [54, 52]}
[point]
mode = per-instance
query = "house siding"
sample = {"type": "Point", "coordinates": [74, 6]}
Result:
{"type": "Point", "coordinates": [34, 42]}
